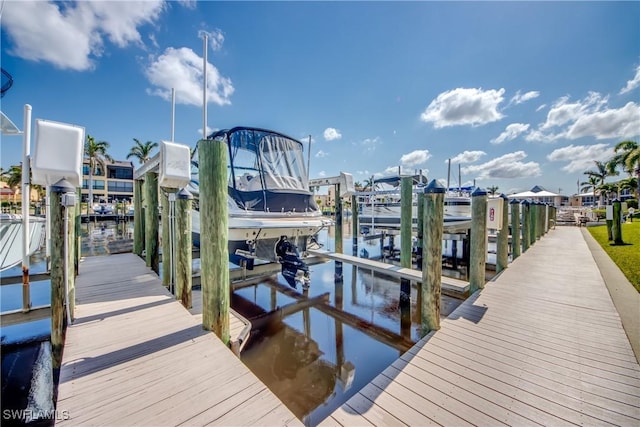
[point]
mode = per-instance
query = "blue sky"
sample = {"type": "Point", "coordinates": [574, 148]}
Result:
{"type": "Point", "coordinates": [516, 93]}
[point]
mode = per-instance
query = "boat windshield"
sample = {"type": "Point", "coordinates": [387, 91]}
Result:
{"type": "Point", "coordinates": [263, 160]}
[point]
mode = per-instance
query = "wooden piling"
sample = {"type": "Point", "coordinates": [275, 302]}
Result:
{"type": "Point", "coordinates": [138, 228]}
{"type": "Point", "coordinates": [420, 242]}
{"type": "Point", "coordinates": [183, 248]}
{"type": "Point", "coordinates": [502, 244]}
{"type": "Point", "coordinates": [478, 250]}
{"type": "Point", "coordinates": [214, 255]}
{"type": "Point", "coordinates": [515, 228]}
{"type": "Point", "coordinates": [526, 221]}
{"type": "Point", "coordinates": [57, 213]}
{"type": "Point", "coordinates": [617, 225]}
{"type": "Point", "coordinates": [354, 225]}
{"type": "Point", "coordinates": [433, 224]}
{"type": "Point", "coordinates": [406, 225]}
{"type": "Point", "coordinates": [165, 222]}
{"type": "Point", "coordinates": [78, 234]}
{"type": "Point", "coordinates": [71, 257]}
{"type": "Point", "coordinates": [338, 229]}
{"type": "Point", "coordinates": [533, 220]}
{"type": "Point", "coordinates": [152, 222]}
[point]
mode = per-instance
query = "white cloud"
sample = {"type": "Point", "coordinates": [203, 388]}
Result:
{"type": "Point", "coordinates": [467, 157]}
{"type": "Point", "coordinates": [542, 107]}
{"type": "Point", "coordinates": [520, 98]}
{"type": "Point", "coordinates": [182, 69]}
{"type": "Point", "coordinates": [589, 117]}
{"type": "Point", "coordinates": [610, 123]}
{"type": "Point", "coordinates": [209, 131]}
{"type": "Point", "coordinates": [321, 154]}
{"type": "Point", "coordinates": [364, 172]}
{"type": "Point", "coordinates": [370, 144]}
{"type": "Point", "coordinates": [414, 158]}
{"type": "Point", "coordinates": [393, 171]}
{"type": "Point", "coordinates": [331, 134]}
{"type": "Point", "coordinates": [322, 173]}
{"type": "Point", "coordinates": [510, 133]}
{"type": "Point", "coordinates": [71, 35]}
{"type": "Point", "coordinates": [506, 166]}
{"type": "Point", "coordinates": [464, 106]}
{"type": "Point", "coordinates": [189, 4]}
{"type": "Point", "coordinates": [580, 157]}
{"type": "Point", "coordinates": [633, 83]}
{"type": "Point", "coordinates": [215, 39]}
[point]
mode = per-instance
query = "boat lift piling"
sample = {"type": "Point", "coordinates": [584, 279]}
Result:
{"type": "Point", "coordinates": [152, 222]}
{"type": "Point", "coordinates": [166, 240]}
{"type": "Point", "coordinates": [138, 228]}
{"type": "Point", "coordinates": [431, 288]}
{"type": "Point", "coordinates": [526, 235]}
{"type": "Point", "coordinates": [477, 258]}
{"type": "Point", "coordinates": [406, 224]}
{"type": "Point", "coordinates": [515, 229]}
{"type": "Point", "coordinates": [502, 244]}
{"type": "Point", "coordinates": [214, 256]}
{"type": "Point", "coordinates": [183, 245]}
{"type": "Point", "coordinates": [354, 225]}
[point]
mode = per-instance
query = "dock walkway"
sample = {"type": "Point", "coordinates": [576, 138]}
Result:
{"type": "Point", "coordinates": [135, 356]}
{"type": "Point", "coordinates": [542, 344]}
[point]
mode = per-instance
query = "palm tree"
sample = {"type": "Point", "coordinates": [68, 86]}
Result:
{"type": "Point", "coordinates": [358, 186]}
{"type": "Point", "coordinates": [628, 156]}
{"type": "Point", "coordinates": [601, 172]}
{"type": "Point", "coordinates": [589, 185]}
{"type": "Point", "coordinates": [142, 151]}
{"type": "Point", "coordinates": [371, 184]}
{"type": "Point", "coordinates": [492, 190]}
{"type": "Point", "coordinates": [95, 151]}
{"type": "Point", "coordinates": [13, 178]}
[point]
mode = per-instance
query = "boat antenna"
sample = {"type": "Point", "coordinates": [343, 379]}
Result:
{"type": "Point", "coordinates": [448, 175]}
{"type": "Point", "coordinates": [459, 181]}
{"type": "Point", "coordinates": [309, 159]}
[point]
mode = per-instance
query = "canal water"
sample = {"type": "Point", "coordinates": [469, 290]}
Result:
{"type": "Point", "coordinates": [313, 359]}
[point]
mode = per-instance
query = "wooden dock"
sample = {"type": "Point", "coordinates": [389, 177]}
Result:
{"type": "Point", "coordinates": [542, 344]}
{"type": "Point", "coordinates": [450, 285]}
{"type": "Point", "coordinates": [135, 356]}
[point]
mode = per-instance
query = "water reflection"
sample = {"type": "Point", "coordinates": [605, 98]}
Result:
{"type": "Point", "coordinates": [318, 357]}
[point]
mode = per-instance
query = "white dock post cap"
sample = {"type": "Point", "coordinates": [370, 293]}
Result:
{"type": "Point", "coordinates": [434, 187]}
{"type": "Point", "coordinates": [479, 192]}
{"type": "Point", "coordinates": [62, 186]}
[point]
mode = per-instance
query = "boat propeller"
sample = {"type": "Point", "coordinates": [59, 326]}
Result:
{"type": "Point", "coordinates": [294, 269]}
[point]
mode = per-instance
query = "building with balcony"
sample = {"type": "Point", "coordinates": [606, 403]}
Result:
{"type": "Point", "coordinates": [112, 181]}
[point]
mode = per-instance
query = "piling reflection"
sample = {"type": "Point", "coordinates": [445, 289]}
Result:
{"type": "Point", "coordinates": [314, 358]}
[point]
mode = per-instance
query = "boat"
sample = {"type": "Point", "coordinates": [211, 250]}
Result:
{"type": "Point", "coordinates": [273, 216]}
{"type": "Point", "coordinates": [381, 209]}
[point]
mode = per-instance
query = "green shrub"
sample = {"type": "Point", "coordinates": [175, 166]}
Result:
{"type": "Point", "coordinates": [632, 203]}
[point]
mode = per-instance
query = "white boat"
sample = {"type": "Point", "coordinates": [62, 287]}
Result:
{"type": "Point", "coordinates": [272, 214]}
{"type": "Point", "coordinates": [382, 208]}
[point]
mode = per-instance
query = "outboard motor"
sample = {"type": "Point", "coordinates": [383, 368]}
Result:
{"type": "Point", "coordinates": [294, 270]}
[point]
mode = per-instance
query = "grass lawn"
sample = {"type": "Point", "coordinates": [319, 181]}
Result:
{"type": "Point", "coordinates": [627, 256]}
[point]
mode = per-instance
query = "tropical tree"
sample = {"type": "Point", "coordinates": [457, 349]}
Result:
{"type": "Point", "coordinates": [142, 151]}
{"type": "Point", "coordinates": [492, 190]}
{"type": "Point", "coordinates": [628, 157]}
{"type": "Point", "coordinates": [96, 152]}
{"type": "Point", "coordinates": [13, 177]}
{"type": "Point", "coordinates": [601, 172]}
{"type": "Point", "coordinates": [371, 184]}
{"type": "Point", "coordinates": [589, 185]}
{"type": "Point", "coordinates": [358, 186]}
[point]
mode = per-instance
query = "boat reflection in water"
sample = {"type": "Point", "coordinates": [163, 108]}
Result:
{"type": "Point", "coordinates": [315, 358]}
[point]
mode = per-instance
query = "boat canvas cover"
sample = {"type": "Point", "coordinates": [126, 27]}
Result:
{"type": "Point", "coordinates": [266, 171]}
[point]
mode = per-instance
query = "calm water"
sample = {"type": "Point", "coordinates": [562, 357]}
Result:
{"type": "Point", "coordinates": [312, 360]}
